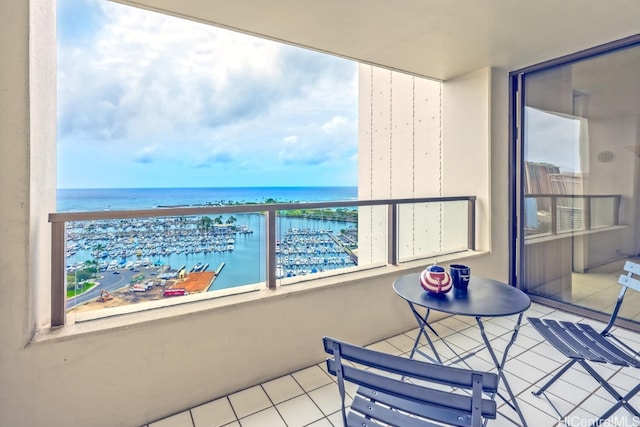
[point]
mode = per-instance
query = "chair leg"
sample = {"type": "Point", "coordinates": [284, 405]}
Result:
{"type": "Point", "coordinates": [564, 369]}
{"type": "Point", "coordinates": [622, 401]}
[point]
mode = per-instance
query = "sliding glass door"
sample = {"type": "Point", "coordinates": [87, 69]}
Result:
{"type": "Point", "coordinates": [577, 180]}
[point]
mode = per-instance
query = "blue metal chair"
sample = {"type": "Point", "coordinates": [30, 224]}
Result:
{"type": "Point", "coordinates": [581, 344]}
{"type": "Point", "coordinates": [399, 391]}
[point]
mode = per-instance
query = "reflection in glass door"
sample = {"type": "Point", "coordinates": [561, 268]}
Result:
{"type": "Point", "coordinates": [579, 179]}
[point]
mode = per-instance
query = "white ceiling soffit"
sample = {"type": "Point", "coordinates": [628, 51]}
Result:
{"type": "Point", "coordinates": [440, 39]}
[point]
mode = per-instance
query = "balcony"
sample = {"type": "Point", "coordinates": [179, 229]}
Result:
{"type": "Point", "coordinates": [293, 243]}
{"type": "Point", "coordinates": [134, 373]}
{"type": "Point", "coordinates": [290, 387]}
{"type": "Point", "coordinates": [309, 396]}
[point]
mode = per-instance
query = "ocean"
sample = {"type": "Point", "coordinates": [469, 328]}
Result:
{"type": "Point", "coordinates": [245, 264]}
{"type": "Point", "coordinates": [75, 200]}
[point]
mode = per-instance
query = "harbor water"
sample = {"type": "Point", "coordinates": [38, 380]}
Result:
{"type": "Point", "coordinates": [305, 245]}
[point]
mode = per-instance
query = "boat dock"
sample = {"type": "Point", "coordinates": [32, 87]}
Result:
{"type": "Point", "coordinates": [215, 275]}
{"type": "Point", "coordinates": [304, 251]}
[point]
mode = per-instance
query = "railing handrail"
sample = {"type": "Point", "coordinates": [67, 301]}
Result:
{"type": "Point", "coordinates": [58, 222]}
{"type": "Point", "coordinates": [214, 209]}
{"type": "Point", "coordinates": [586, 196]}
{"type": "Point", "coordinates": [587, 208]}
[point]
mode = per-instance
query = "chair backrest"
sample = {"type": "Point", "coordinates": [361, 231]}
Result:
{"type": "Point", "coordinates": [627, 281]}
{"type": "Point", "coordinates": [386, 396]}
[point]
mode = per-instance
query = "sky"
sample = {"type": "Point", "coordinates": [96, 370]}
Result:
{"type": "Point", "coordinates": [554, 139]}
{"type": "Point", "coordinates": [148, 100]}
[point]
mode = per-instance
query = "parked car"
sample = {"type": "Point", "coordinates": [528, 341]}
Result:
{"type": "Point", "coordinates": [140, 287]}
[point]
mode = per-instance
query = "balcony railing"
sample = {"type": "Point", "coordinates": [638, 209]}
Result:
{"type": "Point", "coordinates": [406, 229]}
{"type": "Point", "coordinates": [554, 214]}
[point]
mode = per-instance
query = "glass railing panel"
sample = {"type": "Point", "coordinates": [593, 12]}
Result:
{"type": "Point", "coordinates": [603, 212]}
{"type": "Point", "coordinates": [315, 241]}
{"type": "Point", "coordinates": [120, 262]}
{"type": "Point", "coordinates": [431, 229]}
{"type": "Point", "coordinates": [373, 226]}
{"type": "Point", "coordinates": [241, 260]}
{"type": "Point", "coordinates": [537, 216]}
{"type": "Point", "coordinates": [116, 258]}
{"type": "Point", "coordinates": [571, 214]}
{"type": "Point", "coordinates": [546, 215]}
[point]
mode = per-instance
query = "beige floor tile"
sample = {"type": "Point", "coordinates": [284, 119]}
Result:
{"type": "Point", "coordinates": [541, 402]}
{"type": "Point", "coordinates": [336, 419]}
{"type": "Point", "coordinates": [321, 423]}
{"type": "Point", "coordinates": [283, 388]}
{"type": "Point", "coordinates": [327, 398]}
{"type": "Point", "coordinates": [518, 385]}
{"type": "Point", "coordinates": [384, 347]}
{"type": "Point", "coordinates": [312, 378]}
{"type": "Point", "coordinates": [299, 411]}
{"type": "Point", "coordinates": [453, 324]}
{"type": "Point", "coordinates": [403, 342]}
{"type": "Point", "coordinates": [213, 414]}
{"type": "Point", "coordinates": [520, 369]}
{"type": "Point", "coordinates": [566, 391]}
{"type": "Point", "coordinates": [183, 419]}
{"type": "Point", "coordinates": [249, 401]}
{"type": "Point", "coordinates": [464, 343]}
{"type": "Point", "coordinates": [540, 362]}
{"type": "Point", "coordinates": [597, 405]}
{"type": "Point", "coordinates": [266, 418]}
{"type": "Point", "coordinates": [623, 381]}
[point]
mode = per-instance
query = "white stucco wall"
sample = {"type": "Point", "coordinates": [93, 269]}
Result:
{"type": "Point", "coordinates": [421, 138]}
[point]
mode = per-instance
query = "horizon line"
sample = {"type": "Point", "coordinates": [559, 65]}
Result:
{"type": "Point", "coordinates": [197, 187]}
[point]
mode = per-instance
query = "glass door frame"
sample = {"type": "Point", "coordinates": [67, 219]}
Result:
{"type": "Point", "coordinates": [517, 80]}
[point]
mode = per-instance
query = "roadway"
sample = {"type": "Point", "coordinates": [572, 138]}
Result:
{"type": "Point", "coordinates": [111, 281]}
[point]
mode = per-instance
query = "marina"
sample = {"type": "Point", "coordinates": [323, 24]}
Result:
{"type": "Point", "coordinates": [304, 251]}
{"type": "Point", "coordinates": [172, 246]}
{"type": "Point", "coordinates": [230, 248]}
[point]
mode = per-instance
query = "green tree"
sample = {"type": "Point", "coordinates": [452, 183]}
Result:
{"type": "Point", "coordinates": [204, 224]}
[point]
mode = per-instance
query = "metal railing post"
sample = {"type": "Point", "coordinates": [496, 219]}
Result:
{"type": "Point", "coordinates": [471, 226]}
{"type": "Point", "coordinates": [616, 210]}
{"type": "Point", "coordinates": [554, 215]}
{"type": "Point", "coordinates": [271, 248]}
{"type": "Point", "coordinates": [587, 212]}
{"type": "Point", "coordinates": [58, 291]}
{"type": "Point", "coordinates": [392, 234]}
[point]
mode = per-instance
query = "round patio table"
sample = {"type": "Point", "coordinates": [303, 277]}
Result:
{"type": "Point", "coordinates": [484, 298]}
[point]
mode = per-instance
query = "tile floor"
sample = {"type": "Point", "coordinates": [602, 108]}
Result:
{"type": "Point", "coordinates": [599, 288]}
{"type": "Point", "coordinates": [309, 397]}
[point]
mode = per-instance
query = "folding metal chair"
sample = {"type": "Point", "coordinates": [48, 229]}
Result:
{"type": "Point", "coordinates": [401, 392]}
{"type": "Point", "coordinates": [583, 345]}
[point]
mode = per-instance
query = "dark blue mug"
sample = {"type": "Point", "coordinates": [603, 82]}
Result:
{"type": "Point", "coordinates": [460, 275]}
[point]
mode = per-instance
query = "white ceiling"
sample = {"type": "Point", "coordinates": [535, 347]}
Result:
{"type": "Point", "coordinates": [440, 39]}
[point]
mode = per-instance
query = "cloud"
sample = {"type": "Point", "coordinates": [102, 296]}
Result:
{"type": "Point", "coordinates": [553, 139]}
{"type": "Point", "coordinates": [211, 159]}
{"type": "Point", "coordinates": [146, 155]}
{"type": "Point", "coordinates": [131, 79]}
{"type": "Point", "coordinates": [335, 123]}
{"type": "Point", "coordinates": [290, 140]}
